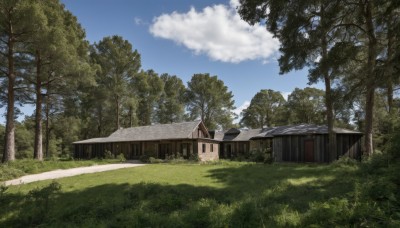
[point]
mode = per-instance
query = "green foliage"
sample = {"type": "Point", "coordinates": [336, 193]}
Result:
{"type": "Point", "coordinates": [108, 155]}
{"type": "Point", "coordinates": [148, 88]}
{"type": "Point", "coordinates": [145, 158]}
{"type": "Point", "coordinates": [40, 201]}
{"type": "Point", "coordinates": [226, 194]}
{"type": "Point", "coordinates": [18, 168]}
{"type": "Point", "coordinates": [265, 110]}
{"type": "Point", "coordinates": [194, 157]}
{"type": "Point", "coordinates": [260, 155]}
{"type": "Point", "coordinates": [121, 157]}
{"type": "Point", "coordinates": [155, 160]}
{"type": "Point", "coordinates": [170, 105]}
{"type": "Point", "coordinates": [306, 106]}
{"type": "Point", "coordinates": [209, 99]}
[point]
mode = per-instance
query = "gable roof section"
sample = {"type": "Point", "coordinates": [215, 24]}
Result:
{"type": "Point", "coordinates": [148, 133]}
{"type": "Point", "coordinates": [237, 134]}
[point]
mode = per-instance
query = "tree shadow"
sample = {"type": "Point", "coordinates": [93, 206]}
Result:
{"type": "Point", "coordinates": [252, 196]}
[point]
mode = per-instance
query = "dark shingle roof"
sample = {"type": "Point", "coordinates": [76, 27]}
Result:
{"type": "Point", "coordinates": [147, 133]}
{"type": "Point", "coordinates": [302, 129]}
{"type": "Point", "coordinates": [237, 134]}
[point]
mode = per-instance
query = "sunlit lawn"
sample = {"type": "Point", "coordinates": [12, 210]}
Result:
{"type": "Point", "coordinates": [217, 195]}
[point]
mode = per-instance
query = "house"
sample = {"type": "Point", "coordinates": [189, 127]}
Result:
{"type": "Point", "coordinates": [298, 143]}
{"type": "Point", "coordinates": [159, 141]}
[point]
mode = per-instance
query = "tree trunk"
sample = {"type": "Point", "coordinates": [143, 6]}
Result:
{"type": "Point", "coordinates": [370, 80]}
{"type": "Point", "coordinates": [330, 118]}
{"type": "Point", "coordinates": [389, 64]}
{"type": "Point", "coordinates": [38, 146]}
{"type": "Point", "coordinates": [117, 103]}
{"type": "Point", "coordinates": [47, 126]}
{"type": "Point", "coordinates": [9, 147]}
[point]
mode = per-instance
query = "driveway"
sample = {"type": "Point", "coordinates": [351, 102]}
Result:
{"type": "Point", "coordinates": [60, 173]}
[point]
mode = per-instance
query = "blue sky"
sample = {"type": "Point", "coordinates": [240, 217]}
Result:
{"type": "Point", "coordinates": [186, 37]}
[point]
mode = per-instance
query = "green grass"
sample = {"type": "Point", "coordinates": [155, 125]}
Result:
{"type": "Point", "coordinates": [20, 168]}
{"type": "Point", "coordinates": [224, 194]}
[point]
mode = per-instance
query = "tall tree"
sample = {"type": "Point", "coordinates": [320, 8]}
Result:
{"type": "Point", "coordinates": [263, 110]}
{"type": "Point", "coordinates": [209, 99]}
{"type": "Point", "coordinates": [306, 106]}
{"type": "Point", "coordinates": [147, 87]}
{"type": "Point", "coordinates": [18, 20]}
{"type": "Point", "coordinates": [119, 63]}
{"type": "Point", "coordinates": [55, 47]}
{"type": "Point", "coordinates": [305, 29]}
{"type": "Point", "coordinates": [170, 107]}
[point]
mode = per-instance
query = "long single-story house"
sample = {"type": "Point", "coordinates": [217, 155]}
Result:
{"type": "Point", "coordinates": [299, 143]}
{"type": "Point", "coordinates": [159, 141]}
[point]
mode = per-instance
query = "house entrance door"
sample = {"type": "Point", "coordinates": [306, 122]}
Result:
{"type": "Point", "coordinates": [309, 150]}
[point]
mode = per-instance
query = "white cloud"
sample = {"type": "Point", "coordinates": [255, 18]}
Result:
{"type": "Point", "coordinates": [217, 31]}
{"type": "Point", "coordinates": [140, 21]}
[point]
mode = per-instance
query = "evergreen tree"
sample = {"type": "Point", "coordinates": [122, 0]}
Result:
{"type": "Point", "coordinates": [209, 99]}
{"type": "Point", "coordinates": [264, 109]}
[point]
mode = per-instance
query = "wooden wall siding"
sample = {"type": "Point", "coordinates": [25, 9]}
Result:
{"type": "Point", "coordinates": [349, 145]}
{"type": "Point", "coordinates": [291, 148]}
{"type": "Point", "coordinates": [236, 149]}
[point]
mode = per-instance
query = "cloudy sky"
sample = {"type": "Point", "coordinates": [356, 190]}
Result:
{"type": "Point", "coordinates": [182, 38]}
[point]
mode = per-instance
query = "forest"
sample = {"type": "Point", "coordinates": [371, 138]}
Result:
{"type": "Point", "coordinates": [82, 90]}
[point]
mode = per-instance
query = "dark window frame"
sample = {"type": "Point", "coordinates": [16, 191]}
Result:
{"type": "Point", "coordinates": [203, 147]}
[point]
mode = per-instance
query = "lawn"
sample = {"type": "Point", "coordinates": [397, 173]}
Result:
{"type": "Point", "coordinates": [192, 195]}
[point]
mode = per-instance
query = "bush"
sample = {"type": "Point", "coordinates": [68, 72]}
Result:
{"type": "Point", "coordinates": [7, 172]}
{"type": "Point", "coordinates": [194, 158]}
{"type": "Point", "coordinates": [108, 155]}
{"type": "Point", "coordinates": [144, 158]}
{"type": "Point", "coordinates": [121, 157]}
{"type": "Point", "coordinates": [155, 160]}
{"type": "Point", "coordinates": [39, 202]}
{"type": "Point", "coordinates": [261, 155]}
{"type": "Point", "coordinates": [345, 161]}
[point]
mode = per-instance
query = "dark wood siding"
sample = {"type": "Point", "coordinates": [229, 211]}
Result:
{"type": "Point", "coordinates": [291, 148]}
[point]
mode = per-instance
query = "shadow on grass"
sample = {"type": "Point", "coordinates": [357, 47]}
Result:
{"type": "Point", "coordinates": [253, 196]}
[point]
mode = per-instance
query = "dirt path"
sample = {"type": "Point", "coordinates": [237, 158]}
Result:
{"type": "Point", "coordinates": [60, 173]}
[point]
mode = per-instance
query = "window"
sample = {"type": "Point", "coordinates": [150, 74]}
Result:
{"type": "Point", "coordinates": [212, 147]}
{"type": "Point", "coordinates": [204, 148]}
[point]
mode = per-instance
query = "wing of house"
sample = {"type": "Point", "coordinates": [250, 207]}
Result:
{"type": "Point", "coordinates": [159, 141]}
{"type": "Point", "coordinates": [296, 143]}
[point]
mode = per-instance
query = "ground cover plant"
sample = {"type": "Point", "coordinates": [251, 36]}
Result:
{"type": "Point", "coordinates": [223, 194]}
{"type": "Point", "coordinates": [23, 167]}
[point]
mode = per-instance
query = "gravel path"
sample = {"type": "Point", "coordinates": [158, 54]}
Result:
{"type": "Point", "coordinates": [60, 173]}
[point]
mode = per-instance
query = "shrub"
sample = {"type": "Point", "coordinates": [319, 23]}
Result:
{"type": "Point", "coordinates": [345, 161]}
{"type": "Point", "coordinates": [121, 157]}
{"type": "Point", "coordinates": [261, 155]}
{"type": "Point", "coordinates": [7, 172]}
{"type": "Point", "coordinates": [144, 158]}
{"type": "Point", "coordinates": [155, 160]}
{"type": "Point", "coordinates": [194, 158]}
{"type": "Point", "coordinates": [39, 203]}
{"type": "Point", "coordinates": [108, 155]}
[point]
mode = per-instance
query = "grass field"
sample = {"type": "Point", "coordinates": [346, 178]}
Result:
{"type": "Point", "coordinates": [191, 195]}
